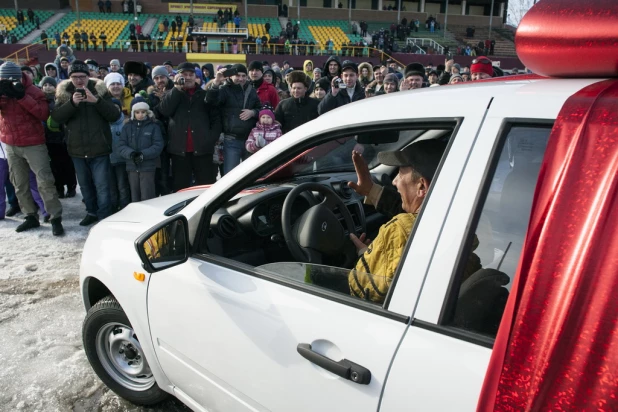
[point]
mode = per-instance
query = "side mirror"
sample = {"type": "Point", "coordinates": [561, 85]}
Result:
{"type": "Point", "coordinates": [165, 245]}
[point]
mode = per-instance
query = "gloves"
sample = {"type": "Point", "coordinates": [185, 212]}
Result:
{"type": "Point", "coordinates": [15, 90]}
{"type": "Point", "coordinates": [260, 141]}
{"type": "Point", "coordinates": [137, 157]}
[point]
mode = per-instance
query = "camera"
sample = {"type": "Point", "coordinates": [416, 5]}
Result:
{"type": "Point", "coordinates": [230, 72]}
{"type": "Point", "coordinates": [181, 81]}
{"type": "Point", "coordinates": [340, 84]}
{"type": "Point", "coordinates": [81, 91]}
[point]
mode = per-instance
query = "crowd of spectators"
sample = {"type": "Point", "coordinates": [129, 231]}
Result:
{"type": "Point", "coordinates": [131, 132]}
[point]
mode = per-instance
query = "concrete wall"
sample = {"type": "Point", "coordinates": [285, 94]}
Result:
{"type": "Point", "coordinates": [255, 10]}
{"type": "Point", "coordinates": [33, 4]}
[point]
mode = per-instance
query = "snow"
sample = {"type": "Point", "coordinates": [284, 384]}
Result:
{"type": "Point", "coordinates": [43, 364]}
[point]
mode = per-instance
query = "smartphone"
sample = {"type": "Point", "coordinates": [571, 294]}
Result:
{"type": "Point", "coordinates": [81, 91]}
{"type": "Point", "coordinates": [229, 72]}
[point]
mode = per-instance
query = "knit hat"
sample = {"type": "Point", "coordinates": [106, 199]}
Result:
{"type": "Point", "coordinates": [114, 61]}
{"type": "Point", "coordinates": [28, 69]}
{"type": "Point", "coordinates": [140, 106]}
{"type": "Point", "coordinates": [240, 68]}
{"type": "Point", "coordinates": [159, 71]}
{"type": "Point", "coordinates": [266, 112]}
{"type": "Point", "coordinates": [414, 69]}
{"type": "Point", "coordinates": [271, 72]}
{"type": "Point", "coordinates": [455, 76]}
{"type": "Point", "coordinates": [323, 83]}
{"type": "Point", "coordinates": [255, 65]}
{"type": "Point", "coordinates": [482, 65]}
{"type": "Point", "coordinates": [79, 66]}
{"type": "Point", "coordinates": [168, 63]}
{"type": "Point", "coordinates": [114, 78]}
{"type": "Point", "coordinates": [65, 59]}
{"type": "Point", "coordinates": [391, 78]}
{"type": "Point", "coordinates": [48, 80]}
{"type": "Point", "coordinates": [92, 65]}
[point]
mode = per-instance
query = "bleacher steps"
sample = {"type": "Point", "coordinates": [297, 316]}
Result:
{"type": "Point", "coordinates": [36, 34]}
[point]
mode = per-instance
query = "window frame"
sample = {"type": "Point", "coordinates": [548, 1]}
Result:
{"type": "Point", "coordinates": [447, 123]}
{"type": "Point", "coordinates": [452, 292]}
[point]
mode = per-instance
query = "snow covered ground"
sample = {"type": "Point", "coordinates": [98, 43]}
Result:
{"type": "Point", "coordinates": [43, 366]}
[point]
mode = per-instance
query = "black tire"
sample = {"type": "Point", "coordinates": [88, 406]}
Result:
{"type": "Point", "coordinates": [106, 318]}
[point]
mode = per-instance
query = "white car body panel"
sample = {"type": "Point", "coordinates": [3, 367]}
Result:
{"type": "Point", "coordinates": [227, 340]}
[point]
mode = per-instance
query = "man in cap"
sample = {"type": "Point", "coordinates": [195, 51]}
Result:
{"type": "Point", "coordinates": [85, 106]}
{"type": "Point", "coordinates": [298, 109]}
{"type": "Point", "coordinates": [137, 76]}
{"type": "Point", "coordinates": [266, 91]}
{"type": "Point", "coordinates": [379, 259]}
{"type": "Point", "coordinates": [240, 108]}
{"type": "Point", "coordinates": [194, 127]}
{"type": "Point", "coordinates": [481, 69]}
{"type": "Point", "coordinates": [344, 90]}
{"type": "Point", "coordinates": [23, 109]}
{"type": "Point", "coordinates": [413, 76]}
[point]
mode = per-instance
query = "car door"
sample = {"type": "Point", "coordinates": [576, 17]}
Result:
{"type": "Point", "coordinates": [450, 339]}
{"type": "Point", "coordinates": [229, 336]}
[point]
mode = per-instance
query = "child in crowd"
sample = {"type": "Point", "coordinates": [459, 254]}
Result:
{"type": "Point", "coordinates": [140, 144]}
{"type": "Point", "coordinates": [266, 131]}
{"type": "Point", "coordinates": [119, 187]}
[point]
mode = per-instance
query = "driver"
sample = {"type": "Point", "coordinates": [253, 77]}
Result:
{"type": "Point", "coordinates": [379, 259]}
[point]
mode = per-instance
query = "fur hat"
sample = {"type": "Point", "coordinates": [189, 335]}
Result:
{"type": "Point", "coordinates": [298, 76]}
{"type": "Point", "coordinates": [414, 69]}
{"type": "Point", "coordinates": [138, 68]}
{"type": "Point", "coordinates": [114, 77]}
{"type": "Point", "coordinates": [141, 106]}
{"type": "Point", "coordinates": [79, 66]}
{"type": "Point", "coordinates": [266, 112]}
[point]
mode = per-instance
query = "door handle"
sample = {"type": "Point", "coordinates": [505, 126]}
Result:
{"type": "Point", "coordinates": [344, 368]}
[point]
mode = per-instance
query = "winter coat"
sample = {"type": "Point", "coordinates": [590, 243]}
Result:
{"type": "Point", "coordinates": [184, 111]}
{"type": "Point", "coordinates": [54, 132]}
{"type": "Point", "coordinates": [308, 72]}
{"type": "Point", "coordinates": [261, 135]}
{"type": "Point", "coordinates": [142, 85]}
{"type": "Point", "coordinates": [116, 128]}
{"type": "Point", "coordinates": [292, 112]}
{"type": "Point", "coordinates": [365, 80]}
{"type": "Point", "coordinates": [21, 120]}
{"type": "Point", "coordinates": [87, 125]}
{"type": "Point", "coordinates": [141, 136]}
{"type": "Point", "coordinates": [69, 54]}
{"type": "Point", "coordinates": [331, 102]}
{"type": "Point", "coordinates": [266, 93]}
{"type": "Point", "coordinates": [230, 98]}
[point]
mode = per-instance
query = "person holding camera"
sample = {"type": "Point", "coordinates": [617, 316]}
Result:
{"type": "Point", "coordinates": [23, 109]}
{"type": "Point", "coordinates": [193, 129]}
{"type": "Point", "coordinates": [85, 106]}
{"type": "Point", "coordinates": [240, 107]}
{"type": "Point", "coordinates": [344, 90]}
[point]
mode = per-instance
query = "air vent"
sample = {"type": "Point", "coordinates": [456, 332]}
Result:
{"type": "Point", "coordinates": [344, 190]}
{"type": "Point", "coordinates": [227, 227]}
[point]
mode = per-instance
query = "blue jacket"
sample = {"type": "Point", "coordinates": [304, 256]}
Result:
{"type": "Point", "coordinates": [116, 127]}
{"type": "Point", "coordinates": [141, 136]}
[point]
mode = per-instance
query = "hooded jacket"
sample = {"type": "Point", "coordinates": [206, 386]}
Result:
{"type": "Point", "coordinates": [365, 80]}
{"type": "Point", "coordinates": [308, 72]}
{"type": "Point", "coordinates": [69, 54]}
{"type": "Point", "coordinates": [231, 99]}
{"type": "Point", "coordinates": [87, 125]}
{"type": "Point", "coordinates": [57, 78]}
{"type": "Point", "coordinates": [266, 93]}
{"type": "Point", "coordinates": [331, 102]}
{"type": "Point", "coordinates": [292, 112]}
{"type": "Point", "coordinates": [54, 132]}
{"type": "Point", "coordinates": [116, 128]}
{"type": "Point", "coordinates": [140, 136]}
{"type": "Point", "coordinates": [269, 133]}
{"type": "Point", "coordinates": [183, 111]}
{"type": "Point", "coordinates": [21, 121]}
{"type": "Point", "coordinates": [326, 72]}
{"type": "Point", "coordinates": [211, 70]}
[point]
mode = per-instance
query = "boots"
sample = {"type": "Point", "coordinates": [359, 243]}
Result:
{"type": "Point", "coordinates": [57, 229]}
{"type": "Point", "coordinates": [88, 220]}
{"type": "Point", "coordinates": [70, 192]}
{"type": "Point", "coordinates": [13, 210]}
{"type": "Point", "coordinates": [30, 223]}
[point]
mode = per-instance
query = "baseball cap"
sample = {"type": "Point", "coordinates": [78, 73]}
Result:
{"type": "Point", "coordinates": [423, 156]}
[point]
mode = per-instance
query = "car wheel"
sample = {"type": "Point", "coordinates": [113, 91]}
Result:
{"type": "Point", "coordinates": [115, 354]}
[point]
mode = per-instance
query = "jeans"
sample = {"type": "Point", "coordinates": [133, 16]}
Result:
{"type": "Point", "coordinates": [4, 176]}
{"type": "Point", "coordinates": [93, 175]}
{"type": "Point", "coordinates": [119, 187]}
{"type": "Point", "coordinates": [233, 152]}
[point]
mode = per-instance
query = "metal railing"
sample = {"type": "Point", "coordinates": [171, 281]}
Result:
{"type": "Point", "coordinates": [26, 53]}
{"type": "Point", "coordinates": [422, 42]}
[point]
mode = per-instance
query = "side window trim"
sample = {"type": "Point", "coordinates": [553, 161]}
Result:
{"type": "Point", "coordinates": [450, 298]}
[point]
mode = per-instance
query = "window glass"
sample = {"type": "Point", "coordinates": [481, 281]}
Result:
{"type": "Point", "coordinates": [496, 242]}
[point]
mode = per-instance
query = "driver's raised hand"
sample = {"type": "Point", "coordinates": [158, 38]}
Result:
{"type": "Point", "coordinates": [364, 183]}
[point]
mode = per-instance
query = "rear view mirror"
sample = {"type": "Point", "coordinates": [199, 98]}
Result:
{"type": "Point", "coordinates": [378, 137]}
{"type": "Point", "coordinates": [165, 245]}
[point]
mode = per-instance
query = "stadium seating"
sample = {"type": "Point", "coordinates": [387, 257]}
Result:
{"type": "Point", "coordinates": [8, 19]}
{"type": "Point", "coordinates": [256, 26]}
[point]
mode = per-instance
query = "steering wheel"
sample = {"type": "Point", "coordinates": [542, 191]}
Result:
{"type": "Point", "coordinates": [318, 232]}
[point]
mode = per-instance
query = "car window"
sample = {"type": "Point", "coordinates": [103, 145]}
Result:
{"type": "Point", "coordinates": [482, 282]}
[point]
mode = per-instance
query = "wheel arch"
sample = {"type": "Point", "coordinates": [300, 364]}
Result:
{"type": "Point", "coordinates": [93, 291]}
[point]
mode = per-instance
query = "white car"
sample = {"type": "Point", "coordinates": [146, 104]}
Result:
{"type": "Point", "coordinates": [206, 294]}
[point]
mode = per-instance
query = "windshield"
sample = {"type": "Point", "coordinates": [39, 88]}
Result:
{"type": "Point", "coordinates": [336, 156]}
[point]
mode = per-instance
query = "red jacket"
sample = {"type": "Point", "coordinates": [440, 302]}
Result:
{"type": "Point", "coordinates": [21, 121]}
{"type": "Point", "coordinates": [268, 94]}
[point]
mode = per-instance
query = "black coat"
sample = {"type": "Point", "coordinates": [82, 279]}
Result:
{"type": "Point", "coordinates": [331, 102]}
{"type": "Point", "coordinates": [87, 127]}
{"type": "Point", "coordinates": [184, 111]}
{"type": "Point", "coordinates": [230, 99]}
{"type": "Point", "coordinates": [292, 112]}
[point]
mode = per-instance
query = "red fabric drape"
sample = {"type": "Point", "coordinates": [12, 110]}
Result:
{"type": "Point", "coordinates": [557, 347]}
